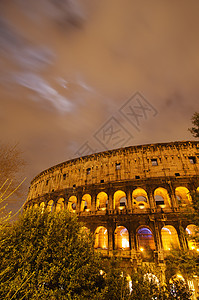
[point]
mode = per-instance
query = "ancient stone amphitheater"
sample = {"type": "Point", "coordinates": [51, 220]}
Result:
{"type": "Point", "coordinates": [131, 198]}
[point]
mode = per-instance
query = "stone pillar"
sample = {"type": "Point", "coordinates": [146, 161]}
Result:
{"type": "Point", "coordinates": [174, 203]}
{"type": "Point", "coordinates": [110, 238]}
{"type": "Point", "coordinates": [93, 202]}
{"type": "Point", "coordinates": [110, 200]}
{"type": "Point", "coordinates": [129, 198]}
{"type": "Point", "coordinates": [181, 235]}
{"type": "Point", "coordinates": [151, 200]}
{"type": "Point", "coordinates": [79, 199]}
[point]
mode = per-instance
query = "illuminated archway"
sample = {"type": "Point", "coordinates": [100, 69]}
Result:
{"type": "Point", "coordinates": [42, 206]}
{"type": "Point", "coordinates": [121, 238]}
{"type": "Point", "coordinates": [161, 197]}
{"type": "Point", "coordinates": [101, 238]}
{"type": "Point", "coordinates": [145, 239]}
{"type": "Point", "coordinates": [72, 203]}
{"type": "Point", "coordinates": [60, 204]}
{"type": "Point", "coordinates": [183, 195]}
{"type": "Point", "coordinates": [102, 201]}
{"type": "Point", "coordinates": [140, 198]}
{"type": "Point", "coordinates": [86, 203]}
{"type": "Point", "coordinates": [50, 205]}
{"type": "Point", "coordinates": [192, 231]}
{"type": "Point", "coordinates": [119, 199]}
{"type": "Point", "coordinates": [169, 238]}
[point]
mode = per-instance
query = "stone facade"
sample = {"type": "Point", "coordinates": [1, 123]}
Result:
{"type": "Point", "coordinates": [131, 198]}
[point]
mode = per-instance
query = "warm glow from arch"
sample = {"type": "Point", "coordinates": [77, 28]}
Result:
{"type": "Point", "coordinates": [121, 238]}
{"type": "Point", "coordinates": [183, 195]}
{"type": "Point", "coordinates": [145, 239]}
{"type": "Point", "coordinates": [140, 198]}
{"type": "Point", "coordinates": [102, 201]}
{"type": "Point", "coordinates": [170, 238]}
{"type": "Point", "coordinates": [86, 203]}
{"type": "Point", "coordinates": [60, 204]}
{"type": "Point", "coordinates": [161, 197]}
{"type": "Point", "coordinates": [101, 238]}
{"type": "Point", "coordinates": [119, 199]}
{"type": "Point", "coordinates": [192, 231]}
{"type": "Point", "coordinates": [42, 205]}
{"type": "Point", "coordinates": [50, 205]}
{"type": "Point", "coordinates": [72, 203]}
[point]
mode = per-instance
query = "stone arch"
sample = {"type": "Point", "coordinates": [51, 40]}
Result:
{"type": "Point", "coordinates": [140, 198]}
{"type": "Point", "coordinates": [119, 199]}
{"type": "Point", "coordinates": [50, 206]}
{"type": "Point", "coordinates": [72, 203]}
{"type": "Point", "coordinates": [170, 238]}
{"type": "Point", "coordinates": [60, 204]}
{"type": "Point", "coordinates": [86, 202]}
{"type": "Point", "coordinates": [183, 195]}
{"type": "Point", "coordinates": [101, 238]}
{"type": "Point", "coordinates": [192, 231]}
{"type": "Point", "coordinates": [122, 238]}
{"type": "Point", "coordinates": [161, 197]}
{"type": "Point", "coordinates": [102, 201]}
{"type": "Point", "coordinates": [145, 239]}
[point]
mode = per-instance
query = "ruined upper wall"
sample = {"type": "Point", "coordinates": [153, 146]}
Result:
{"type": "Point", "coordinates": [130, 163]}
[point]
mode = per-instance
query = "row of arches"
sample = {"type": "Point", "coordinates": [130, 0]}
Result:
{"type": "Point", "coordinates": [145, 238]}
{"type": "Point", "coordinates": [139, 199]}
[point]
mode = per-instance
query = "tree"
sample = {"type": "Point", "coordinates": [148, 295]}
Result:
{"type": "Point", "coordinates": [115, 281]}
{"type": "Point", "coordinates": [48, 255]}
{"type": "Point", "coordinates": [195, 121]}
{"type": "Point", "coordinates": [11, 166]}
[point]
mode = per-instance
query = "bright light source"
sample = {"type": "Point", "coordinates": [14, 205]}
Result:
{"type": "Point", "coordinates": [142, 249]}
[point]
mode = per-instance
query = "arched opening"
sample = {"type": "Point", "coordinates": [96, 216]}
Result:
{"type": "Point", "coordinates": [119, 200]}
{"type": "Point", "coordinates": [183, 196]}
{"type": "Point", "coordinates": [101, 238]}
{"type": "Point", "coordinates": [169, 238]}
{"type": "Point", "coordinates": [42, 206]}
{"type": "Point", "coordinates": [145, 239]}
{"type": "Point", "coordinates": [140, 198]}
{"type": "Point", "coordinates": [72, 203]}
{"type": "Point", "coordinates": [86, 203]}
{"type": "Point", "coordinates": [192, 231]}
{"type": "Point", "coordinates": [121, 238]}
{"type": "Point", "coordinates": [162, 197]}
{"type": "Point", "coordinates": [50, 206]}
{"type": "Point", "coordinates": [60, 204]}
{"type": "Point", "coordinates": [102, 201]}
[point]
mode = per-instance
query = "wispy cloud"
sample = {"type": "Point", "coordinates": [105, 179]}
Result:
{"type": "Point", "coordinates": [44, 90]}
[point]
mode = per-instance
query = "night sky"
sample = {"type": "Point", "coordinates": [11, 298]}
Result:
{"type": "Point", "coordinates": [85, 76]}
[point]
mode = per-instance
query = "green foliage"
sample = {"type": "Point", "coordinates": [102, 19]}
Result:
{"type": "Point", "coordinates": [195, 121]}
{"type": "Point", "coordinates": [46, 256]}
{"type": "Point", "coordinates": [182, 262]}
{"type": "Point", "coordinates": [115, 281]}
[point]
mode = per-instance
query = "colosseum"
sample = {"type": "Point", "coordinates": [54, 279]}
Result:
{"type": "Point", "coordinates": [130, 198]}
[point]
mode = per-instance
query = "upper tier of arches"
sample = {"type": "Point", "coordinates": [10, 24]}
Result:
{"type": "Point", "coordinates": [166, 160]}
{"type": "Point", "coordinates": [120, 200]}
